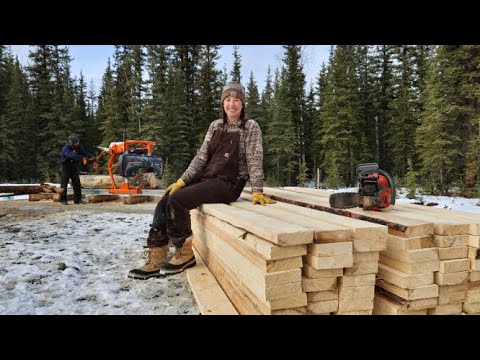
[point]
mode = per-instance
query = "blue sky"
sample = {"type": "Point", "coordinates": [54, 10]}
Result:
{"type": "Point", "coordinates": [92, 60]}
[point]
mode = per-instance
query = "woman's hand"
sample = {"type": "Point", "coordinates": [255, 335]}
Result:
{"type": "Point", "coordinates": [174, 187]}
{"type": "Point", "coordinates": [259, 198]}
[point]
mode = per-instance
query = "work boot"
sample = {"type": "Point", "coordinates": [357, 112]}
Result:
{"type": "Point", "coordinates": [79, 202]}
{"type": "Point", "coordinates": [64, 202]}
{"type": "Point", "coordinates": [181, 260]}
{"type": "Point", "coordinates": [155, 258]}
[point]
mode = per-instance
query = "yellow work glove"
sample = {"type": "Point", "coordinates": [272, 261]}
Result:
{"type": "Point", "coordinates": [259, 198]}
{"type": "Point", "coordinates": [174, 187]}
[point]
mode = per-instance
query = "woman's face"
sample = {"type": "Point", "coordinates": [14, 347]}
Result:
{"type": "Point", "coordinates": [233, 107]}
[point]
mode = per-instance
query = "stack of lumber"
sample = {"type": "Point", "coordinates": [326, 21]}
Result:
{"type": "Point", "coordinates": [210, 297]}
{"type": "Point", "coordinates": [256, 260]}
{"type": "Point", "coordinates": [430, 262]}
{"type": "Point", "coordinates": [457, 239]}
{"type": "Point", "coordinates": [405, 279]}
{"type": "Point", "coordinates": [256, 254]}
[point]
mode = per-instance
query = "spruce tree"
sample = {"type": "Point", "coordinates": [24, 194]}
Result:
{"type": "Point", "coordinates": [411, 180]}
{"type": "Point", "coordinates": [16, 127]}
{"type": "Point", "coordinates": [236, 74]}
{"type": "Point", "coordinates": [436, 138]}
{"type": "Point", "coordinates": [153, 114]}
{"type": "Point", "coordinates": [295, 100]}
{"type": "Point", "coordinates": [107, 114]}
{"type": "Point", "coordinates": [46, 114]}
{"type": "Point", "coordinates": [280, 137]}
{"type": "Point", "coordinates": [366, 73]}
{"type": "Point", "coordinates": [186, 61]}
{"type": "Point", "coordinates": [404, 121]}
{"type": "Point", "coordinates": [382, 61]}
{"type": "Point", "coordinates": [209, 89]}
{"type": "Point", "coordinates": [175, 144]}
{"type": "Point", "coordinates": [310, 113]}
{"type": "Point", "coordinates": [317, 126]}
{"type": "Point", "coordinates": [253, 101]}
{"type": "Point", "coordinates": [343, 141]}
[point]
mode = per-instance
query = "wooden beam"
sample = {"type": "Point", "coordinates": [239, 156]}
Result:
{"type": "Point", "coordinates": [395, 219]}
{"type": "Point", "coordinates": [210, 297]}
{"type": "Point", "coordinates": [273, 230]}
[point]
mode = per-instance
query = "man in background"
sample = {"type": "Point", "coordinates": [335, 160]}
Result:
{"type": "Point", "coordinates": [72, 154]}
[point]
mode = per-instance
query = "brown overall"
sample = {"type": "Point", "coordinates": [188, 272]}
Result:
{"type": "Point", "coordinates": [219, 183]}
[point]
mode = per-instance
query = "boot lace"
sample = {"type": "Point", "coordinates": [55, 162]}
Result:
{"type": "Point", "coordinates": [147, 255]}
{"type": "Point", "coordinates": [177, 254]}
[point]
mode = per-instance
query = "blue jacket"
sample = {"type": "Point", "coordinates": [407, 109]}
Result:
{"type": "Point", "coordinates": [70, 155]}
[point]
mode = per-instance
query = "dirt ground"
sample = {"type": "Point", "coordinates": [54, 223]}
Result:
{"type": "Point", "coordinates": [74, 259]}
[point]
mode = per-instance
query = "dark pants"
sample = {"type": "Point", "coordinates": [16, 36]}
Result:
{"type": "Point", "coordinates": [172, 214]}
{"type": "Point", "coordinates": [70, 171]}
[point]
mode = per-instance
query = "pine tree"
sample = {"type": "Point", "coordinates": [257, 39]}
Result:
{"type": "Point", "coordinates": [411, 180]}
{"type": "Point", "coordinates": [175, 144]}
{"type": "Point", "coordinates": [42, 75]}
{"type": "Point", "coordinates": [310, 113]}
{"type": "Point", "coordinates": [107, 114]}
{"type": "Point", "coordinates": [436, 138]}
{"type": "Point", "coordinates": [253, 101]}
{"type": "Point", "coordinates": [343, 141]}
{"type": "Point", "coordinates": [3, 76]}
{"type": "Point", "coordinates": [404, 122]}
{"type": "Point", "coordinates": [235, 74]}
{"type": "Point", "coordinates": [93, 136]}
{"type": "Point", "coordinates": [317, 147]}
{"type": "Point", "coordinates": [153, 114]}
{"type": "Point", "coordinates": [280, 137]}
{"type": "Point", "coordinates": [295, 100]}
{"type": "Point", "coordinates": [186, 61]}
{"type": "Point", "coordinates": [382, 61]}
{"type": "Point", "coordinates": [224, 75]}
{"type": "Point", "coordinates": [123, 90]}
{"type": "Point", "coordinates": [367, 111]}
{"type": "Point", "coordinates": [209, 88]}
{"type": "Point", "coordinates": [15, 122]}
{"type": "Point", "coordinates": [462, 78]}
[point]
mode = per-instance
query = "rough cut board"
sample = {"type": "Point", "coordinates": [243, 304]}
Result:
{"type": "Point", "coordinates": [266, 287]}
{"type": "Point", "coordinates": [273, 230]}
{"type": "Point", "coordinates": [242, 298]}
{"type": "Point", "coordinates": [265, 248]}
{"type": "Point", "coordinates": [327, 227]}
{"type": "Point", "coordinates": [233, 236]}
{"type": "Point", "coordinates": [447, 222]}
{"type": "Point", "coordinates": [233, 287]}
{"type": "Point", "coordinates": [390, 217]}
{"type": "Point", "coordinates": [210, 297]}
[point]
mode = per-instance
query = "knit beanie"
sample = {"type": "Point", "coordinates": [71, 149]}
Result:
{"type": "Point", "coordinates": [233, 89]}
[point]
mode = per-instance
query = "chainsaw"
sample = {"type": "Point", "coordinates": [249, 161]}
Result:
{"type": "Point", "coordinates": [130, 160]}
{"type": "Point", "coordinates": [376, 190]}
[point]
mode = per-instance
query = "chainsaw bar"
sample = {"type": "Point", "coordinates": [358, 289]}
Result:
{"type": "Point", "coordinates": [345, 200]}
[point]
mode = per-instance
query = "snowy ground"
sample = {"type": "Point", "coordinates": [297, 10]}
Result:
{"type": "Point", "coordinates": [97, 248]}
{"type": "Point", "coordinates": [98, 244]}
